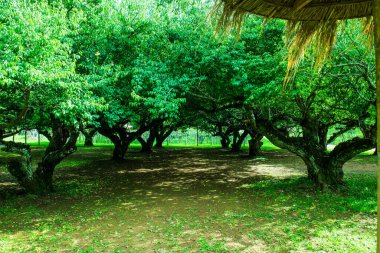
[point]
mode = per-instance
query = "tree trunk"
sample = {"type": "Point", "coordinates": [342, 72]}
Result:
{"type": "Point", "coordinates": [225, 142]}
{"type": "Point", "coordinates": [118, 136]}
{"type": "Point", "coordinates": [255, 144]}
{"type": "Point", "coordinates": [88, 141]}
{"type": "Point", "coordinates": [324, 168]}
{"type": "Point", "coordinates": [38, 182]}
{"type": "Point", "coordinates": [326, 173]}
{"type": "Point", "coordinates": [120, 149]}
{"type": "Point", "coordinates": [146, 146]}
{"type": "Point", "coordinates": [88, 136]}
{"type": "Point", "coordinates": [238, 141]}
{"type": "Point", "coordinates": [225, 136]}
{"type": "Point", "coordinates": [62, 143]}
{"type": "Point", "coordinates": [43, 178]}
{"type": "Point", "coordinates": [31, 182]}
{"type": "Point", "coordinates": [2, 132]}
{"type": "Point", "coordinates": [161, 136]}
{"type": "Point", "coordinates": [234, 141]}
{"type": "Point", "coordinates": [159, 143]}
{"type": "Point", "coordinates": [21, 168]}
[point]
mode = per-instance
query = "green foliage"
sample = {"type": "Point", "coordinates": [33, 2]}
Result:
{"type": "Point", "coordinates": [33, 53]}
{"type": "Point", "coordinates": [37, 56]}
{"type": "Point", "coordinates": [338, 99]}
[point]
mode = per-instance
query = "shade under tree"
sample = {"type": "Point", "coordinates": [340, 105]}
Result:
{"type": "Point", "coordinates": [311, 23]}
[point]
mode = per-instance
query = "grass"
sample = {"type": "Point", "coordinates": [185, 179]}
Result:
{"type": "Point", "coordinates": [267, 145]}
{"type": "Point", "coordinates": [177, 201]}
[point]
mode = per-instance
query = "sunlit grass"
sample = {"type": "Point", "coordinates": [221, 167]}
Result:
{"type": "Point", "coordinates": [87, 213]}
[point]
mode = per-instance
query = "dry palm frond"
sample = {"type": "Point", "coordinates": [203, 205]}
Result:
{"type": "Point", "coordinates": [368, 29]}
{"type": "Point", "coordinates": [301, 35]}
{"type": "Point", "coordinates": [301, 10]}
{"type": "Point", "coordinates": [310, 22]}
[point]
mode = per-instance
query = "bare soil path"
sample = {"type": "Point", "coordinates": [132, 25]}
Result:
{"type": "Point", "coordinates": [189, 200]}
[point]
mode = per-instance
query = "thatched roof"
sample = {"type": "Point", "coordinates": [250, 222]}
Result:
{"type": "Point", "coordinates": [300, 10]}
{"type": "Point", "coordinates": [310, 22]}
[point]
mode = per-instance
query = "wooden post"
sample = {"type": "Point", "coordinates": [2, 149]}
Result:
{"type": "Point", "coordinates": [25, 138]}
{"type": "Point", "coordinates": [197, 137]}
{"type": "Point", "coordinates": [376, 18]}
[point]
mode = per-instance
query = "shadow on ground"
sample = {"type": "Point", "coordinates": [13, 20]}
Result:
{"type": "Point", "coordinates": [193, 200]}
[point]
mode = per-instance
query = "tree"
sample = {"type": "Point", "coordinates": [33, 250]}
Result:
{"type": "Point", "coordinates": [108, 42]}
{"type": "Point", "coordinates": [301, 117]}
{"type": "Point", "coordinates": [88, 136]}
{"type": "Point", "coordinates": [38, 64]}
{"type": "Point", "coordinates": [230, 71]}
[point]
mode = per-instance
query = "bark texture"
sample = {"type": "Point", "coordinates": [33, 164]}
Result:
{"type": "Point", "coordinates": [163, 132]}
{"type": "Point", "coordinates": [122, 137]}
{"type": "Point", "coordinates": [146, 145]}
{"type": "Point", "coordinates": [88, 137]}
{"type": "Point", "coordinates": [62, 144]}
{"type": "Point", "coordinates": [238, 140]}
{"type": "Point", "coordinates": [324, 168]}
{"type": "Point", "coordinates": [255, 144]}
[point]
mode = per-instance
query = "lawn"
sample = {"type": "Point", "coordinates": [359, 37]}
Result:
{"type": "Point", "coordinates": [190, 200]}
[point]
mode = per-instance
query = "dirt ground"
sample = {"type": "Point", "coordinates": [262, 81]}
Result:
{"type": "Point", "coordinates": [173, 200]}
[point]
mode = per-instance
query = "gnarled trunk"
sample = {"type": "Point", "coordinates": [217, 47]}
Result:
{"type": "Point", "coordinates": [88, 141]}
{"type": "Point", "coordinates": [225, 142]}
{"type": "Point", "coordinates": [62, 144]}
{"type": "Point", "coordinates": [146, 145]}
{"type": "Point", "coordinates": [255, 144]}
{"type": "Point", "coordinates": [224, 135]}
{"type": "Point", "coordinates": [21, 168]}
{"type": "Point", "coordinates": [162, 135]}
{"type": "Point", "coordinates": [120, 149]}
{"type": "Point", "coordinates": [159, 143]}
{"type": "Point", "coordinates": [120, 140]}
{"type": "Point", "coordinates": [238, 140]}
{"type": "Point", "coordinates": [324, 168]}
{"type": "Point", "coordinates": [121, 137]}
{"type": "Point", "coordinates": [2, 133]}
{"type": "Point", "coordinates": [326, 172]}
{"type": "Point", "coordinates": [88, 137]}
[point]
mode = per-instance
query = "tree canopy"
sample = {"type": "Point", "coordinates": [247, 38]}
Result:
{"type": "Point", "coordinates": [124, 68]}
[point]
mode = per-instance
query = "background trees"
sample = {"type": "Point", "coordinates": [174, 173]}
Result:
{"type": "Point", "coordinates": [124, 68]}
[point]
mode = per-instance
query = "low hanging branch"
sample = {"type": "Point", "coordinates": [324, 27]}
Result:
{"type": "Point", "coordinates": [21, 115]}
{"type": "Point", "coordinates": [39, 181]}
{"type": "Point", "coordinates": [6, 135]}
{"type": "Point", "coordinates": [19, 168]}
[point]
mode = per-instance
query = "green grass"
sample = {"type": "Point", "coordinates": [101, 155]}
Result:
{"type": "Point", "coordinates": [135, 145]}
{"type": "Point", "coordinates": [336, 222]}
{"type": "Point", "coordinates": [267, 145]}
{"type": "Point", "coordinates": [98, 207]}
